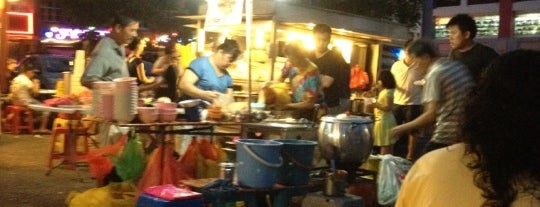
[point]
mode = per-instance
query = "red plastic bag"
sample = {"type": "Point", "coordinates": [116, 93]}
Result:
{"type": "Point", "coordinates": [161, 169]}
{"type": "Point", "coordinates": [359, 78]}
{"type": "Point", "coordinates": [189, 159]}
{"type": "Point", "coordinates": [98, 160]}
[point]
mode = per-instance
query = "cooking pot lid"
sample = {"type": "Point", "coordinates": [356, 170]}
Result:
{"type": "Point", "coordinates": [347, 118]}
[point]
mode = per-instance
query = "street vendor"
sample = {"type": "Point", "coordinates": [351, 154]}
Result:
{"type": "Point", "coordinates": [23, 89]}
{"type": "Point", "coordinates": [305, 82]}
{"type": "Point", "coordinates": [207, 78]}
{"type": "Point", "coordinates": [107, 61]}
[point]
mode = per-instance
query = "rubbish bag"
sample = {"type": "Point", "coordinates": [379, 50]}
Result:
{"type": "Point", "coordinates": [131, 162]}
{"type": "Point", "coordinates": [391, 174]}
{"type": "Point", "coordinates": [98, 159]}
{"type": "Point", "coordinates": [161, 169]}
{"type": "Point", "coordinates": [112, 195]}
{"type": "Point", "coordinates": [189, 159]}
{"type": "Point", "coordinates": [201, 159]}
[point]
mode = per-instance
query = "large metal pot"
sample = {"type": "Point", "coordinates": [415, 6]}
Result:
{"type": "Point", "coordinates": [345, 139]}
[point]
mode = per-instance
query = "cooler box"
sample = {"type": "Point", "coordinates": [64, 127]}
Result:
{"type": "Point", "coordinates": [146, 200]}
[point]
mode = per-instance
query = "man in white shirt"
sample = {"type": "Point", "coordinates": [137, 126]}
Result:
{"type": "Point", "coordinates": [407, 99]}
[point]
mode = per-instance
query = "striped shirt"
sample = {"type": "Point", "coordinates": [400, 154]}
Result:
{"type": "Point", "coordinates": [447, 83]}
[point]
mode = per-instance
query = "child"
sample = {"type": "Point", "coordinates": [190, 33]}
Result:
{"type": "Point", "coordinates": [384, 118]}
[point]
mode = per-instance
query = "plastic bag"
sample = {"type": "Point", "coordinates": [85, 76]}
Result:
{"type": "Point", "coordinates": [131, 162]}
{"type": "Point", "coordinates": [201, 159]}
{"type": "Point", "coordinates": [161, 169]}
{"type": "Point", "coordinates": [112, 195]}
{"type": "Point", "coordinates": [392, 172]}
{"type": "Point", "coordinates": [98, 159]}
{"type": "Point", "coordinates": [189, 158]}
{"type": "Point", "coordinates": [359, 78]}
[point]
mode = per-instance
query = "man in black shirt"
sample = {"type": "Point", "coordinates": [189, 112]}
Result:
{"type": "Point", "coordinates": [335, 72]}
{"type": "Point", "coordinates": [477, 57]}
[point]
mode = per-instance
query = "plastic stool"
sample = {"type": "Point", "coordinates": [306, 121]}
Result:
{"type": "Point", "coordinates": [60, 134]}
{"type": "Point", "coordinates": [18, 122]}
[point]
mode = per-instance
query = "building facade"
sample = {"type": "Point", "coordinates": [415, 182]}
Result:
{"type": "Point", "coordinates": [503, 25]}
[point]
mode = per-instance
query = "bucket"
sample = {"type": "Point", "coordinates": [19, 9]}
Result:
{"type": "Point", "coordinates": [257, 162]}
{"type": "Point", "coordinates": [297, 161]}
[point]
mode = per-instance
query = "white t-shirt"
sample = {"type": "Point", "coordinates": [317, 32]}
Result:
{"type": "Point", "coordinates": [442, 179]}
{"type": "Point", "coordinates": [406, 93]}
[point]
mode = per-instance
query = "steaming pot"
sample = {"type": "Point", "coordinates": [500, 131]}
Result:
{"type": "Point", "coordinates": [345, 138]}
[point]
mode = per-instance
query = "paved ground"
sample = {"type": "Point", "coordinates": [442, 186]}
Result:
{"type": "Point", "coordinates": [23, 182]}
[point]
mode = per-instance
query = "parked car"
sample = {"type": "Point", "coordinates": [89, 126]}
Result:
{"type": "Point", "coordinates": [51, 67]}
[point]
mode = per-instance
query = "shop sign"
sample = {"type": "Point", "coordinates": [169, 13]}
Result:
{"type": "Point", "coordinates": [223, 12]}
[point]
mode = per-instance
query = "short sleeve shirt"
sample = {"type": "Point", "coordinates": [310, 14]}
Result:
{"type": "Point", "coordinates": [208, 79]}
{"type": "Point", "coordinates": [447, 83]}
{"type": "Point", "coordinates": [107, 62]}
{"type": "Point", "coordinates": [21, 91]}
{"type": "Point", "coordinates": [332, 64]}
{"type": "Point", "coordinates": [305, 84]}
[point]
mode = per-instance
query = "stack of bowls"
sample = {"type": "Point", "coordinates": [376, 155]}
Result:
{"type": "Point", "coordinates": [148, 114]}
{"type": "Point", "coordinates": [125, 99]}
{"type": "Point", "coordinates": [103, 99]}
{"type": "Point", "coordinates": [167, 111]}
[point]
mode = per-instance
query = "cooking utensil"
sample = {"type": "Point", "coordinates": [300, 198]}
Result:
{"type": "Point", "coordinates": [346, 138]}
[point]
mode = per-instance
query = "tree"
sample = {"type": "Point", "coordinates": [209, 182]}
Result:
{"type": "Point", "coordinates": [154, 15]}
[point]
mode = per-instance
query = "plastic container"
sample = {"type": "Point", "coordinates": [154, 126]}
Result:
{"type": "Point", "coordinates": [257, 162]}
{"type": "Point", "coordinates": [298, 158]}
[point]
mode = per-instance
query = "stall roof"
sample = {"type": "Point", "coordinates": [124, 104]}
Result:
{"type": "Point", "coordinates": [303, 17]}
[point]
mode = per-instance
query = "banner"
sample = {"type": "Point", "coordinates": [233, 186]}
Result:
{"type": "Point", "coordinates": [223, 12]}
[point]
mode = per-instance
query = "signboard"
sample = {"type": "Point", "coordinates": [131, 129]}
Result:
{"type": "Point", "coordinates": [223, 12]}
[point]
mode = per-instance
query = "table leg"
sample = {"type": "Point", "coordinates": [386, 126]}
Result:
{"type": "Point", "coordinates": [1, 103]}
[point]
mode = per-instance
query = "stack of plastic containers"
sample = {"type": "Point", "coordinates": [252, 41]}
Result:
{"type": "Point", "coordinates": [125, 99]}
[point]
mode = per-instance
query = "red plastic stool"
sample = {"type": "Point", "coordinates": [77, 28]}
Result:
{"type": "Point", "coordinates": [68, 152]}
{"type": "Point", "coordinates": [22, 119]}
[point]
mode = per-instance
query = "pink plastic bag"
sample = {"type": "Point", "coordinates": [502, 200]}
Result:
{"type": "Point", "coordinates": [171, 193]}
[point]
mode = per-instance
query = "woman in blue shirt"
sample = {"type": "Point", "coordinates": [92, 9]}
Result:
{"type": "Point", "coordinates": [207, 78]}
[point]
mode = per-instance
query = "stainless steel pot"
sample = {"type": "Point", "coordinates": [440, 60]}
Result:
{"type": "Point", "coordinates": [346, 139]}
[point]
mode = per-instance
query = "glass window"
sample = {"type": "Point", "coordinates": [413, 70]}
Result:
{"type": "Point", "coordinates": [486, 25]}
{"type": "Point", "coordinates": [527, 24]}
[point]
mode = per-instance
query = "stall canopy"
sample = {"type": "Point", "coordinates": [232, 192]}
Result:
{"type": "Point", "coordinates": [354, 26]}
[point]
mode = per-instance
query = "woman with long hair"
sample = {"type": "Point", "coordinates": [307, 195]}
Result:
{"type": "Point", "coordinates": [497, 164]}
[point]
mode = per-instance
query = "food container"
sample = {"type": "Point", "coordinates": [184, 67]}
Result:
{"type": "Point", "coordinates": [226, 171]}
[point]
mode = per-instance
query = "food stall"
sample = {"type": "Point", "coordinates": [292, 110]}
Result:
{"type": "Point", "coordinates": [362, 40]}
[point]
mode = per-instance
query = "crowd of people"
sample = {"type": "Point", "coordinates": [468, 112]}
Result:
{"type": "Point", "coordinates": [477, 109]}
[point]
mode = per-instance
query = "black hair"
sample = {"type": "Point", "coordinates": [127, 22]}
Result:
{"type": "Point", "coordinates": [295, 49]}
{"type": "Point", "coordinates": [465, 23]}
{"type": "Point", "coordinates": [134, 43]}
{"type": "Point", "coordinates": [322, 28]}
{"type": "Point", "coordinates": [387, 79]}
{"type": "Point", "coordinates": [170, 46]}
{"type": "Point", "coordinates": [122, 20]}
{"type": "Point", "coordinates": [500, 128]}
{"type": "Point", "coordinates": [230, 46]}
{"type": "Point", "coordinates": [28, 67]}
{"type": "Point", "coordinates": [422, 47]}
{"type": "Point", "coordinates": [407, 43]}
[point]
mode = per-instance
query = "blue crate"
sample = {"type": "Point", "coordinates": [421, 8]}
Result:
{"type": "Point", "coordinates": [146, 200]}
